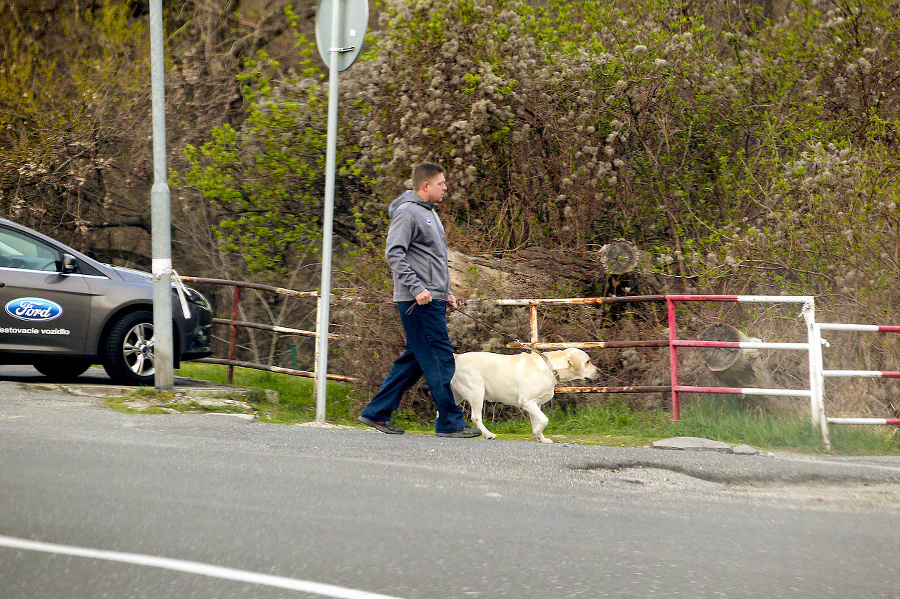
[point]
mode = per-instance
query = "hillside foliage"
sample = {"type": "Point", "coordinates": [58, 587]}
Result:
{"type": "Point", "coordinates": [756, 152]}
{"type": "Point", "coordinates": [759, 154]}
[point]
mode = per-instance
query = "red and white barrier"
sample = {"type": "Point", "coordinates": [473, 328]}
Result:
{"type": "Point", "coordinates": [674, 343]}
{"type": "Point", "coordinates": [891, 421]}
{"type": "Point", "coordinates": [813, 346]}
{"type": "Point", "coordinates": [867, 328]}
{"type": "Point", "coordinates": [884, 374]}
{"type": "Point", "coordinates": [739, 344]}
{"type": "Point", "coordinates": [822, 374]}
{"type": "Point", "coordinates": [744, 391]}
{"type": "Point", "coordinates": [756, 299]}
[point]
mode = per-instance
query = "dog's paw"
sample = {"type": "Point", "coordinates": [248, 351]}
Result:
{"type": "Point", "coordinates": [490, 436]}
{"type": "Point", "coordinates": [544, 439]}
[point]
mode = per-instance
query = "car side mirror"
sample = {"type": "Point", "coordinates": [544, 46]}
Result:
{"type": "Point", "coordinates": [69, 264]}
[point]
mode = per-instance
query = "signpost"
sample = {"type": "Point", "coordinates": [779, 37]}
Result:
{"type": "Point", "coordinates": [160, 215]}
{"type": "Point", "coordinates": [339, 39]}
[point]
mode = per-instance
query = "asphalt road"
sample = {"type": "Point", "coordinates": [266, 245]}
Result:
{"type": "Point", "coordinates": [95, 503]}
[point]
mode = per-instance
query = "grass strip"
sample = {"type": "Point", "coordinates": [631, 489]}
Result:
{"type": "Point", "coordinates": [614, 422]}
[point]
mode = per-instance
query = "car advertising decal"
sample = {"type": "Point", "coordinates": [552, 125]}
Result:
{"type": "Point", "coordinates": [33, 309]}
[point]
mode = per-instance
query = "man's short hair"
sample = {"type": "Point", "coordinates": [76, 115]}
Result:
{"type": "Point", "coordinates": [425, 171]}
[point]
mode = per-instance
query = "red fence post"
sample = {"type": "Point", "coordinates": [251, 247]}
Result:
{"type": "Point", "coordinates": [673, 359]}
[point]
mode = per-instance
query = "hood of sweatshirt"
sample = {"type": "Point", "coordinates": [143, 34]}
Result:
{"type": "Point", "coordinates": [408, 196]}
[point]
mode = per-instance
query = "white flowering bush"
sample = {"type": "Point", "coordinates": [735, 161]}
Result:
{"type": "Point", "coordinates": [740, 148]}
{"type": "Point", "coordinates": [458, 83]}
{"type": "Point", "coordinates": [581, 123]}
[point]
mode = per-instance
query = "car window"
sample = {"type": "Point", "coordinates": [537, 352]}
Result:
{"type": "Point", "coordinates": [21, 251]}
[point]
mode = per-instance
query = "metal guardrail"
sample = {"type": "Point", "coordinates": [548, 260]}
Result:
{"type": "Point", "coordinates": [813, 346]}
{"type": "Point", "coordinates": [233, 324]}
{"type": "Point", "coordinates": [673, 343]}
{"type": "Point", "coordinates": [822, 374]}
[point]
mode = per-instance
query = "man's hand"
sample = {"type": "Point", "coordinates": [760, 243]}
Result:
{"type": "Point", "coordinates": [451, 299]}
{"type": "Point", "coordinates": [423, 297]}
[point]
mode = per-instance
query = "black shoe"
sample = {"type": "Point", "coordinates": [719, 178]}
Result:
{"type": "Point", "coordinates": [386, 427]}
{"type": "Point", "coordinates": [467, 432]}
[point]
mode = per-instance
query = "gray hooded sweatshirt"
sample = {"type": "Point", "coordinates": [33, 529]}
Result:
{"type": "Point", "coordinates": [417, 249]}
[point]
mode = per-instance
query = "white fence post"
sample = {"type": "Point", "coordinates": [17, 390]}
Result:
{"type": "Point", "coordinates": [817, 371]}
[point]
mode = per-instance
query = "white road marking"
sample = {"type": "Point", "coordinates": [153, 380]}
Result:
{"type": "Point", "coordinates": [201, 569]}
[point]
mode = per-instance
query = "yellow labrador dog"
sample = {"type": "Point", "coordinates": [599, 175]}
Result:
{"type": "Point", "coordinates": [522, 380]}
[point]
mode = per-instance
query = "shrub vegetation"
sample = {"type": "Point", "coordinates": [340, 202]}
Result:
{"type": "Point", "coordinates": [745, 146]}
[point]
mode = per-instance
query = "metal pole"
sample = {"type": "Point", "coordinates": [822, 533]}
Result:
{"type": "Point", "coordinates": [328, 214]}
{"type": "Point", "coordinates": [818, 386]}
{"type": "Point", "coordinates": [232, 330]}
{"type": "Point", "coordinates": [316, 346]}
{"type": "Point", "coordinates": [534, 324]}
{"type": "Point", "coordinates": [161, 241]}
{"type": "Point", "coordinates": [673, 360]}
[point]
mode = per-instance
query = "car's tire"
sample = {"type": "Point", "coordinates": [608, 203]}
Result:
{"type": "Point", "coordinates": [128, 355]}
{"type": "Point", "coordinates": [62, 369]}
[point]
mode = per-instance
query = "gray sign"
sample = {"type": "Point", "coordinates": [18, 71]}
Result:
{"type": "Point", "coordinates": [354, 18]}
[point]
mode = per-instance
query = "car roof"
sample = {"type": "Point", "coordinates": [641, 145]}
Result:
{"type": "Point", "coordinates": [104, 268]}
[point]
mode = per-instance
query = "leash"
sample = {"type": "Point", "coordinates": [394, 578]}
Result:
{"type": "Point", "coordinates": [522, 344]}
{"type": "Point", "coordinates": [528, 346]}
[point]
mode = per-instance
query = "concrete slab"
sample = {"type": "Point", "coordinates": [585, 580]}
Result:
{"type": "Point", "coordinates": [692, 444]}
{"type": "Point", "coordinates": [204, 395]}
{"type": "Point", "coordinates": [744, 450]}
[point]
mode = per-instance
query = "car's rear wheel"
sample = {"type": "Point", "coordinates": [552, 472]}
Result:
{"type": "Point", "coordinates": [61, 369]}
{"type": "Point", "coordinates": [129, 350]}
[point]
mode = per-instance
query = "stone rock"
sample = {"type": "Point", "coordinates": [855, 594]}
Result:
{"type": "Point", "coordinates": [744, 450]}
{"type": "Point", "coordinates": [692, 444]}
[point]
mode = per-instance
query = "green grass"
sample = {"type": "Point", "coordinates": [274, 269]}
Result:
{"type": "Point", "coordinates": [149, 401]}
{"type": "Point", "coordinates": [613, 422]}
{"type": "Point", "coordinates": [296, 395]}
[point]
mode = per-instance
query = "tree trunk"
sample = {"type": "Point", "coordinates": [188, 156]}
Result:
{"type": "Point", "coordinates": [618, 257]}
{"type": "Point", "coordinates": [741, 367]}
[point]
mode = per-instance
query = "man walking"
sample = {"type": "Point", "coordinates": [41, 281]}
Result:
{"type": "Point", "coordinates": [417, 255]}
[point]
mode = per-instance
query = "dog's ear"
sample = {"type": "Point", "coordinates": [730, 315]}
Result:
{"type": "Point", "coordinates": [577, 361]}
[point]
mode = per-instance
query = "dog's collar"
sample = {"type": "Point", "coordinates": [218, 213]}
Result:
{"type": "Point", "coordinates": [543, 357]}
{"type": "Point", "coordinates": [549, 365]}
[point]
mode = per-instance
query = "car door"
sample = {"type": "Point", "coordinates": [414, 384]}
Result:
{"type": "Point", "coordinates": [41, 309]}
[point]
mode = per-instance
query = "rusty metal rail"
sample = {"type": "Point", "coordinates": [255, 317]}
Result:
{"type": "Point", "coordinates": [233, 324]}
{"type": "Point", "coordinates": [597, 344]}
{"type": "Point", "coordinates": [273, 328]}
{"type": "Point", "coordinates": [533, 304]}
{"type": "Point", "coordinates": [636, 389]}
{"type": "Point", "coordinates": [279, 369]}
{"type": "Point", "coordinates": [572, 301]}
{"type": "Point", "coordinates": [246, 285]}
{"type": "Point", "coordinates": [580, 300]}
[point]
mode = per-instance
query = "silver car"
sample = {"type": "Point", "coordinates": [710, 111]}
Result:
{"type": "Point", "coordinates": [62, 312]}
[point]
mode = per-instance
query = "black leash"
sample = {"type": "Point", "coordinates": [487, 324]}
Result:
{"type": "Point", "coordinates": [528, 346]}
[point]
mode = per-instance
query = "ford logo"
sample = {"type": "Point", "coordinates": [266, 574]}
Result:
{"type": "Point", "coordinates": [33, 309]}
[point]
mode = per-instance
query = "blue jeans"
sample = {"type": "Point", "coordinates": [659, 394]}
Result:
{"type": "Point", "coordinates": [429, 353]}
